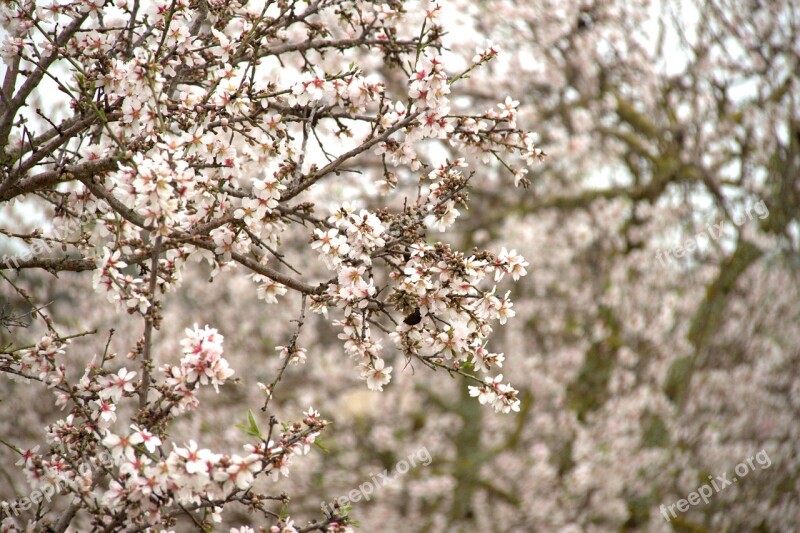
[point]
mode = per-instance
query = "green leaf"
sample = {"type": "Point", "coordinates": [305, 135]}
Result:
{"type": "Point", "coordinates": [321, 446]}
{"type": "Point", "coordinates": [252, 428]}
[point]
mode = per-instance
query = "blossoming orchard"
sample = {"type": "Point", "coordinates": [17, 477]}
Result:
{"type": "Point", "coordinates": [255, 255]}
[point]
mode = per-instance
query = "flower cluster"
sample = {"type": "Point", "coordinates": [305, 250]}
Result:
{"type": "Point", "coordinates": [353, 237]}
{"type": "Point", "coordinates": [442, 287]}
{"type": "Point", "coordinates": [201, 364]}
{"type": "Point", "coordinates": [353, 92]}
{"type": "Point", "coordinates": [192, 476]}
{"type": "Point", "coordinates": [499, 395]}
{"type": "Point", "coordinates": [144, 482]}
{"type": "Point", "coordinates": [38, 362]}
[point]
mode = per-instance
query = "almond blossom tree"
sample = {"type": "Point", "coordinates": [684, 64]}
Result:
{"type": "Point", "coordinates": [155, 134]}
{"type": "Point", "coordinates": [325, 150]}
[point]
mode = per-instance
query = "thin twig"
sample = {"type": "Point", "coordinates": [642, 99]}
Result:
{"type": "Point", "coordinates": [290, 348]}
{"type": "Point", "coordinates": [148, 327]}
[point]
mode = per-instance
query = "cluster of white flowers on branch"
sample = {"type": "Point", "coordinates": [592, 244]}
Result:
{"type": "Point", "coordinates": [202, 131]}
{"type": "Point", "coordinates": [146, 486]}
